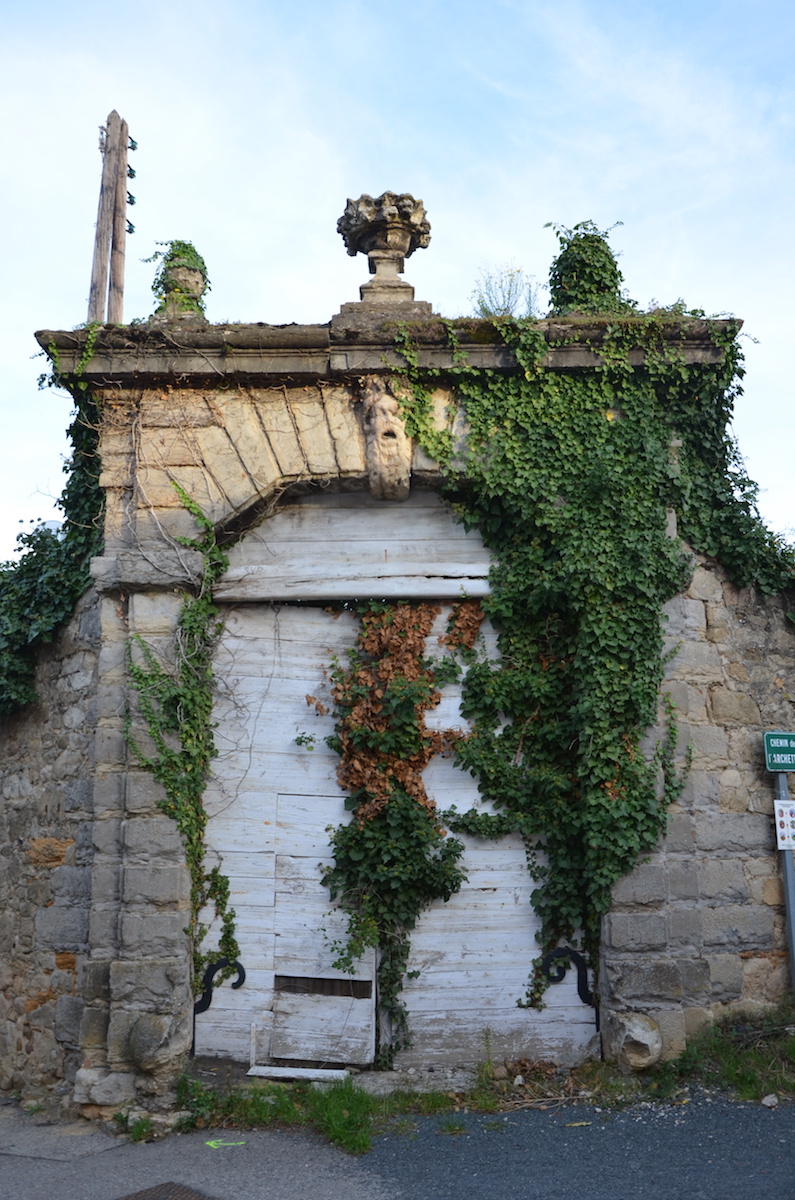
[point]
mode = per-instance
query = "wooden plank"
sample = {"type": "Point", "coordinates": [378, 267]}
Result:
{"type": "Point", "coordinates": [326, 1028]}
{"type": "Point", "coordinates": [413, 547]}
{"type": "Point", "coordinates": [249, 584]}
{"type": "Point", "coordinates": [344, 518]}
{"type": "Point", "coordinates": [107, 195]}
{"type": "Point", "coordinates": [303, 1074]}
{"type": "Point", "coordinates": [116, 284]}
{"type": "Point", "coordinates": [449, 1039]}
{"type": "Point", "coordinates": [219, 1036]}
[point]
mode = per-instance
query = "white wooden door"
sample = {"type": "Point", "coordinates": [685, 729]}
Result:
{"type": "Point", "coordinates": [275, 795]}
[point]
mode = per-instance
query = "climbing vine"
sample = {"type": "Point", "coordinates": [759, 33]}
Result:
{"type": "Point", "coordinates": [176, 703]}
{"type": "Point", "coordinates": [570, 477]}
{"type": "Point", "coordinates": [168, 284]}
{"type": "Point", "coordinates": [393, 858]}
{"type": "Point", "coordinates": [39, 589]}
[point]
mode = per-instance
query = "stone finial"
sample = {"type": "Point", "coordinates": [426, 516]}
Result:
{"type": "Point", "coordinates": [387, 229]}
{"type": "Point", "coordinates": [180, 283]}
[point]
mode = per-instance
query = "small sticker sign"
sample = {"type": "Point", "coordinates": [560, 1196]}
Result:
{"type": "Point", "coordinates": [780, 751]}
{"type": "Point", "coordinates": [785, 826]}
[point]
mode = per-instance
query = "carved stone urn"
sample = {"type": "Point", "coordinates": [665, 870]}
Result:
{"type": "Point", "coordinates": [387, 229]}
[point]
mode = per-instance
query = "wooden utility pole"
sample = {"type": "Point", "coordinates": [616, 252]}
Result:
{"type": "Point", "coordinates": [109, 242]}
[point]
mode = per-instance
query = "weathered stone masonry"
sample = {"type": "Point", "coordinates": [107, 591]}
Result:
{"type": "Point", "coordinates": [700, 925]}
{"type": "Point", "coordinates": [94, 981]}
{"type": "Point", "coordinates": [46, 858]}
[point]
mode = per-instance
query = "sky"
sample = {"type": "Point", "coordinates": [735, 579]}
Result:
{"type": "Point", "coordinates": [255, 121]}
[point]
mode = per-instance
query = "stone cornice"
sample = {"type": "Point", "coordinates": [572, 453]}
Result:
{"type": "Point", "coordinates": [194, 353]}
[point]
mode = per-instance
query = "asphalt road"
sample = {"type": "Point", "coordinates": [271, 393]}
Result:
{"type": "Point", "coordinates": [708, 1149]}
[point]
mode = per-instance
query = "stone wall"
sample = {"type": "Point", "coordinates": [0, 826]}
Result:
{"type": "Point", "coordinates": [93, 881]}
{"type": "Point", "coordinates": [699, 926]}
{"type": "Point", "coordinates": [46, 854]}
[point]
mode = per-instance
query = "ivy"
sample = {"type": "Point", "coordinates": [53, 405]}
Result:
{"type": "Point", "coordinates": [570, 477]}
{"type": "Point", "coordinates": [166, 286]}
{"type": "Point", "coordinates": [394, 857]}
{"type": "Point", "coordinates": [176, 706]}
{"type": "Point", "coordinates": [585, 277]}
{"type": "Point", "coordinates": [39, 589]}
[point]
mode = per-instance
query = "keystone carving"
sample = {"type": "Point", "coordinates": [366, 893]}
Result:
{"type": "Point", "coordinates": [387, 447]}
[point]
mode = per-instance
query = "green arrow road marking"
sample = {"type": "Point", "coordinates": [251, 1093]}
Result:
{"type": "Point", "coordinates": [218, 1143]}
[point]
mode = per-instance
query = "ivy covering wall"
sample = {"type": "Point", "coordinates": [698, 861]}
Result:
{"type": "Point", "coordinates": [571, 476]}
{"type": "Point", "coordinates": [39, 589]}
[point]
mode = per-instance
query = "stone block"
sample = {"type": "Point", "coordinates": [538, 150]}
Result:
{"type": "Point", "coordinates": [107, 838]}
{"type": "Point", "coordinates": [635, 931]}
{"type": "Point", "coordinates": [697, 1019]}
{"type": "Point", "coordinates": [151, 984]}
{"type": "Point", "coordinates": [678, 693]}
{"type": "Point", "coordinates": [316, 440]}
{"type": "Point", "coordinates": [671, 1022]}
{"type": "Point", "coordinates": [685, 618]}
{"type": "Point", "coordinates": [105, 884]}
{"type": "Point", "coordinates": [144, 793]}
{"type": "Point", "coordinates": [152, 840]}
{"type": "Point", "coordinates": [242, 425]}
{"type": "Point", "coordinates": [94, 1085]}
{"type": "Point", "coordinates": [682, 879]}
{"type": "Point", "coordinates": [760, 800]}
{"type": "Point", "coordinates": [119, 1026]}
{"type": "Point", "coordinates": [722, 879]}
{"type": "Point", "coordinates": [7, 931]}
{"type": "Point", "coordinates": [68, 1013]}
{"type": "Point", "coordinates": [705, 586]}
{"type": "Point", "coordinates": [768, 891]}
{"type": "Point", "coordinates": [734, 832]}
{"type": "Point", "coordinates": [684, 926]}
{"type": "Point", "coordinates": [695, 662]}
{"type": "Point", "coordinates": [156, 885]}
{"type": "Point", "coordinates": [154, 613]}
{"type": "Point", "coordinates": [71, 885]}
{"type": "Point", "coordinates": [680, 834]}
{"type": "Point", "coordinates": [94, 980]}
{"type": "Point", "coordinates": [156, 1040]}
{"type": "Point", "coordinates": [154, 934]}
{"type": "Point", "coordinates": [701, 790]}
{"type": "Point", "coordinates": [104, 930]}
{"type": "Point", "coordinates": [695, 976]}
{"type": "Point", "coordinates": [745, 749]}
{"type": "Point", "coordinates": [111, 700]}
{"type": "Point", "coordinates": [643, 979]}
{"type": "Point", "coordinates": [154, 526]}
{"type": "Point", "coordinates": [78, 796]}
{"type": "Point", "coordinates": [345, 430]}
{"type": "Point", "coordinates": [278, 423]}
{"type": "Point", "coordinates": [765, 979]}
{"type": "Point", "coordinates": [110, 746]}
{"type": "Point", "coordinates": [62, 928]}
{"type": "Point", "coordinates": [742, 927]}
{"type": "Point", "coordinates": [645, 885]}
{"type": "Point", "coordinates": [94, 1028]}
{"type": "Point", "coordinates": [710, 747]}
{"type": "Point", "coordinates": [730, 707]}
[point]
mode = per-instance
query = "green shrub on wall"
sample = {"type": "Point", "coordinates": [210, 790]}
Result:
{"type": "Point", "coordinates": [571, 477]}
{"type": "Point", "coordinates": [39, 589]}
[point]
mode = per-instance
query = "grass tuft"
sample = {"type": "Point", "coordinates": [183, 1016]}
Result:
{"type": "Point", "coordinates": [745, 1057]}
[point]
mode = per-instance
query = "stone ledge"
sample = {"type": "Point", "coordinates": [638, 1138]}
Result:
{"type": "Point", "coordinates": [146, 569]}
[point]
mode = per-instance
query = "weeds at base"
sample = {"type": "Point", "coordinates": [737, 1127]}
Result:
{"type": "Point", "coordinates": [743, 1058]}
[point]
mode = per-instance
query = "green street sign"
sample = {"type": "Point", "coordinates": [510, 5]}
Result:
{"type": "Point", "coordinates": [780, 751]}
